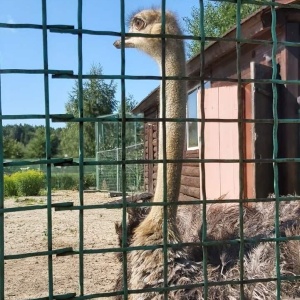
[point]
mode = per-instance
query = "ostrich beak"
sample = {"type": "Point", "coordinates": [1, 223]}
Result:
{"type": "Point", "coordinates": [127, 43]}
{"type": "Point", "coordinates": [117, 44]}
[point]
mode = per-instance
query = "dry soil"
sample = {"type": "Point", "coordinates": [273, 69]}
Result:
{"type": "Point", "coordinates": [26, 231]}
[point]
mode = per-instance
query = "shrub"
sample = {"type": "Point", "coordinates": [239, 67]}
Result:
{"type": "Point", "coordinates": [64, 181]}
{"type": "Point", "coordinates": [71, 181]}
{"type": "Point", "coordinates": [10, 188]}
{"type": "Point", "coordinates": [28, 183]}
{"type": "Point", "coordinates": [89, 180]}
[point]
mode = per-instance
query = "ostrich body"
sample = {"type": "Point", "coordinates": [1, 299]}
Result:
{"type": "Point", "coordinates": [223, 224]}
{"type": "Point", "coordinates": [188, 220]}
{"type": "Point", "coordinates": [146, 267]}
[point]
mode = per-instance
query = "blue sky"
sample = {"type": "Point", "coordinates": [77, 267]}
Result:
{"type": "Point", "coordinates": [22, 48]}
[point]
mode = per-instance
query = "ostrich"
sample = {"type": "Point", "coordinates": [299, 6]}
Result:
{"type": "Point", "coordinates": [145, 267]}
{"type": "Point", "coordinates": [188, 222]}
{"type": "Point", "coordinates": [222, 224]}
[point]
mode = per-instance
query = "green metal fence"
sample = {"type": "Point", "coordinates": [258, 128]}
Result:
{"type": "Point", "coordinates": [123, 162]}
{"type": "Point", "coordinates": [108, 141]}
{"type": "Point", "coordinates": [110, 177]}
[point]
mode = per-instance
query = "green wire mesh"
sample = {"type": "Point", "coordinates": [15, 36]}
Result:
{"type": "Point", "coordinates": [1, 207]}
{"type": "Point", "coordinates": [48, 161]}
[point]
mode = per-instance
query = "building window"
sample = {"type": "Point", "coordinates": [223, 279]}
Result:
{"type": "Point", "coordinates": [192, 127]}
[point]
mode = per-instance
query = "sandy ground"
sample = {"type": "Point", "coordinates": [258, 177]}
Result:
{"type": "Point", "coordinates": [26, 231]}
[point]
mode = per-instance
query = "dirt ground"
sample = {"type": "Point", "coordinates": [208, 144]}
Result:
{"type": "Point", "coordinates": [26, 231]}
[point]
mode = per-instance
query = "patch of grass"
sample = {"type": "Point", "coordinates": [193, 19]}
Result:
{"type": "Point", "coordinates": [43, 192]}
{"type": "Point", "coordinates": [30, 201]}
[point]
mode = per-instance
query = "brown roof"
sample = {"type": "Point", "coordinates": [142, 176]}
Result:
{"type": "Point", "coordinates": [252, 27]}
{"type": "Point", "coordinates": [147, 102]}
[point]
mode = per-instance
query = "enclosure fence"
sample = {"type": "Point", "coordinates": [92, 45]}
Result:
{"type": "Point", "coordinates": [108, 141]}
{"type": "Point", "coordinates": [110, 178]}
{"type": "Point", "coordinates": [124, 162]}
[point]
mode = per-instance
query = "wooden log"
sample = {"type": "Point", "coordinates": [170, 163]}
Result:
{"type": "Point", "coordinates": [191, 170]}
{"type": "Point", "coordinates": [190, 181]}
{"type": "Point", "coordinates": [183, 197]}
{"type": "Point", "coordinates": [191, 164]}
{"type": "Point", "coordinates": [192, 154]}
{"type": "Point", "coordinates": [190, 191]}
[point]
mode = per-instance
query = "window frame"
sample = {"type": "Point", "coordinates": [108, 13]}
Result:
{"type": "Point", "coordinates": [190, 91]}
{"type": "Point", "coordinates": [207, 85]}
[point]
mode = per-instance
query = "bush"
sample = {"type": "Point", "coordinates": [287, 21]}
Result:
{"type": "Point", "coordinates": [71, 181]}
{"type": "Point", "coordinates": [89, 180]}
{"type": "Point", "coordinates": [10, 188]}
{"type": "Point", "coordinates": [64, 181]}
{"type": "Point", "coordinates": [28, 183]}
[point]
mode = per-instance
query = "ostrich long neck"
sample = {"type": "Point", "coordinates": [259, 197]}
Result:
{"type": "Point", "coordinates": [175, 131]}
{"type": "Point", "coordinates": [147, 266]}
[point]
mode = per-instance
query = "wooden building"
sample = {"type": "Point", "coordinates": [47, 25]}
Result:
{"type": "Point", "coordinates": [221, 102]}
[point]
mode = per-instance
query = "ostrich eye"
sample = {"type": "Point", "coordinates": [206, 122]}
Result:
{"type": "Point", "coordinates": [138, 23]}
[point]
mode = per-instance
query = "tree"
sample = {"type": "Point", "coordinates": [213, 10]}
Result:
{"type": "Point", "coordinates": [36, 147]}
{"type": "Point", "coordinates": [130, 104]}
{"type": "Point", "coordinates": [27, 141]}
{"type": "Point", "coordinates": [218, 19]}
{"type": "Point", "coordinates": [133, 129]}
{"type": "Point", "coordinates": [12, 148]}
{"type": "Point", "coordinates": [21, 133]}
{"type": "Point", "coordinates": [110, 132]}
{"type": "Point", "coordinates": [98, 99]}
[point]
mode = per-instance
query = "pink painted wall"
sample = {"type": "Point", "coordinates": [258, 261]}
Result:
{"type": "Point", "coordinates": [221, 142]}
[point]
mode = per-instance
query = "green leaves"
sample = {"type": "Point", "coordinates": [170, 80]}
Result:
{"type": "Point", "coordinates": [98, 99]}
{"type": "Point", "coordinates": [219, 18]}
{"type": "Point", "coordinates": [12, 148]}
{"type": "Point", "coordinates": [27, 141]}
{"type": "Point", "coordinates": [24, 183]}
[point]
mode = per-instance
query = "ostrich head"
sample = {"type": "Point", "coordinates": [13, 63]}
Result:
{"type": "Point", "coordinates": [150, 22]}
